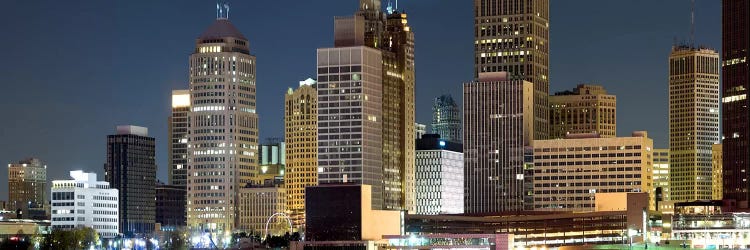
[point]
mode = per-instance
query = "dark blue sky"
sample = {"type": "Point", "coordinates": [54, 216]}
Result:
{"type": "Point", "coordinates": [71, 72]}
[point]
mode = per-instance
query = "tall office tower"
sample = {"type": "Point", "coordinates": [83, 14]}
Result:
{"type": "Point", "coordinates": [661, 174]}
{"type": "Point", "coordinates": [513, 36]}
{"type": "Point", "coordinates": [569, 173]}
{"type": "Point", "coordinates": [693, 121]}
{"type": "Point", "coordinates": [85, 202]}
{"type": "Point", "coordinates": [178, 137]}
{"type": "Point", "coordinates": [439, 176]}
{"type": "Point", "coordinates": [350, 118]}
{"type": "Point", "coordinates": [498, 124]}
{"type": "Point", "coordinates": [271, 162]}
{"type": "Point", "coordinates": [419, 130]}
{"type": "Point", "coordinates": [398, 113]}
{"type": "Point", "coordinates": [301, 137]}
{"type": "Point", "coordinates": [131, 169]}
{"type": "Point", "coordinates": [585, 109]}
{"type": "Point", "coordinates": [223, 133]}
{"type": "Point", "coordinates": [717, 178]}
{"type": "Point", "coordinates": [736, 81]}
{"type": "Point", "coordinates": [446, 119]}
{"type": "Point", "coordinates": [27, 187]}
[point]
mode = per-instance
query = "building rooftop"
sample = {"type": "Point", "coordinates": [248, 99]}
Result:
{"type": "Point", "coordinates": [221, 28]}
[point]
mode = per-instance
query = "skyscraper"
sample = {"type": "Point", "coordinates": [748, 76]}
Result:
{"type": "Point", "coordinates": [271, 162]}
{"type": "Point", "coordinates": [693, 121]}
{"type": "Point", "coordinates": [586, 109]}
{"type": "Point", "coordinates": [131, 169]}
{"type": "Point", "coordinates": [392, 37]}
{"type": "Point", "coordinates": [735, 117]}
{"type": "Point", "coordinates": [27, 187]}
{"type": "Point", "coordinates": [717, 177]}
{"type": "Point", "coordinates": [223, 133]}
{"type": "Point", "coordinates": [513, 36]}
{"type": "Point", "coordinates": [446, 119]}
{"type": "Point", "coordinates": [301, 137]}
{"type": "Point", "coordinates": [350, 142]}
{"type": "Point", "coordinates": [398, 113]}
{"type": "Point", "coordinates": [498, 124]}
{"type": "Point", "coordinates": [178, 137]}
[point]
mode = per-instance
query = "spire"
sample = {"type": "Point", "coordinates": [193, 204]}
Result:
{"type": "Point", "coordinates": [222, 10]}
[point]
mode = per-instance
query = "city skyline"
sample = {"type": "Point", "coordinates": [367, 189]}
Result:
{"type": "Point", "coordinates": [82, 152]}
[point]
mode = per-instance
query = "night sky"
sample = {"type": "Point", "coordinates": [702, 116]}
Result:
{"type": "Point", "coordinates": [71, 72]}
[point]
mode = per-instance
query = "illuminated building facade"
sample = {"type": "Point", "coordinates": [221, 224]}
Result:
{"type": "Point", "coordinates": [27, 187]}
{"type": "Point", "coordinates": [586, 109]}
{"type": "Point", "coordinates": [439, 176]}
{"type": "Point", "coordinates": [419, 130]}
{"type": "Point", "coordinates": [693, 121]}
{"type": "Point", "coordinates": [446, 119]}
{"type": "Point", "coordinates": [350, 142]}
{"type": "Point", "coordinates": [178, 137]}
{"type": "Point", "coordinates": [661, 174]}
{"type": "Point", "coordinates": [85, 202]}
{"type": "Point", "coordinates": [223, 130]}
{"type": "Point", "coordinates": [569, 173]}
{"type": "Point", "coordinates": [271, 161]}
{"type": "Point", "coordinates": [301, 137]}
{"type": "Point", "coordinates": [717, 178]}
{"type": "Point", "coordinates": [498, 124]}
{"type": "Point", "coordinates": [513, 36]}
{"type": "Point", "coordinates": [257, 204]}
{"type": "Point", "coordinates": [131, 169]}
{"type": "Point", "coordinates": [735, 50]}
{"type": "Point", "coordinates": [704, 224]}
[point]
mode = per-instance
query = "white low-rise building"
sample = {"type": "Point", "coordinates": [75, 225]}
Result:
{"type": "Point", "coordinates": [439, 176]}
{"type": "Point", "coordinates": [85, 202]}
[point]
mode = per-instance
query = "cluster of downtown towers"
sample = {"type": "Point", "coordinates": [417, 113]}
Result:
{"type": "Point", "coordinates": [356, 122]}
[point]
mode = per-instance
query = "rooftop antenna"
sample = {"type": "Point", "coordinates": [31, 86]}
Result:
{"type": "Point", "coordinates": [692, 24]}
{"type": "Point", "coordinates": [222, 10]}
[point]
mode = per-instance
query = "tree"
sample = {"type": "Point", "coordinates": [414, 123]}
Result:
{"type": "Point", "coordinates": [176, 240]}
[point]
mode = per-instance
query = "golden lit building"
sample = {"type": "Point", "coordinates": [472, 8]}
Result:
{"type": "Point", "coordinates": [661, 172]}
{"type": "Point", "coordinates": [259, 204]}
{"type": "Point", "coordinates": [223, 134]}
{"type": "Point", "coordinates": [693, 121]}
{"type": "Point", "coordinates": [301, 137]}
{"type": "Point", "coordinates": [585, 109]}
{"type": "Point", "coordinates": [569, 173]}
{"type": "Point", "coordinates": [717, 173]}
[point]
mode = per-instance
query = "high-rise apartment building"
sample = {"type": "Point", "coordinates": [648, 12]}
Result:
{"type": "Point", "coordinates": [513, 36]}
{"type": "Point", "coordinates": [350, 146]}
{"type": "Point", "coordinates": [85, 202]}
{"type": "Point", "coordinates": [131, 169]}
{"type": "Point", "coordinates": [439, 176]}
{"type": "Point", "coordinates": [223, 133]}
{"type": "Point", "coordinates": [27, 187]}
{"type": "Point", "coordinates": [498, 124]}
{"type": "Point", "coordinates": [178, 137]}
{"type": "Point", "coordinates": [693, 121]}
{"type": "Point", "coordinates": [586, 109]}
{"type": "Point", "coordinates": [661, 174]}
{"type": "Point", "coordinates": [446, 119]}
{"type": "Point", "coordinates": [717, 178]}
{"type": "Point", "coordinates": [301, 137]}
{"type": "Point", "coordinates": [735, 50]}
{"type": "Point", "coordinates": [569, 173]}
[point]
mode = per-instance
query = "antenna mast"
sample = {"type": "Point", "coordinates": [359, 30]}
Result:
{"type": "Point", "coordinates": [692, 24]}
